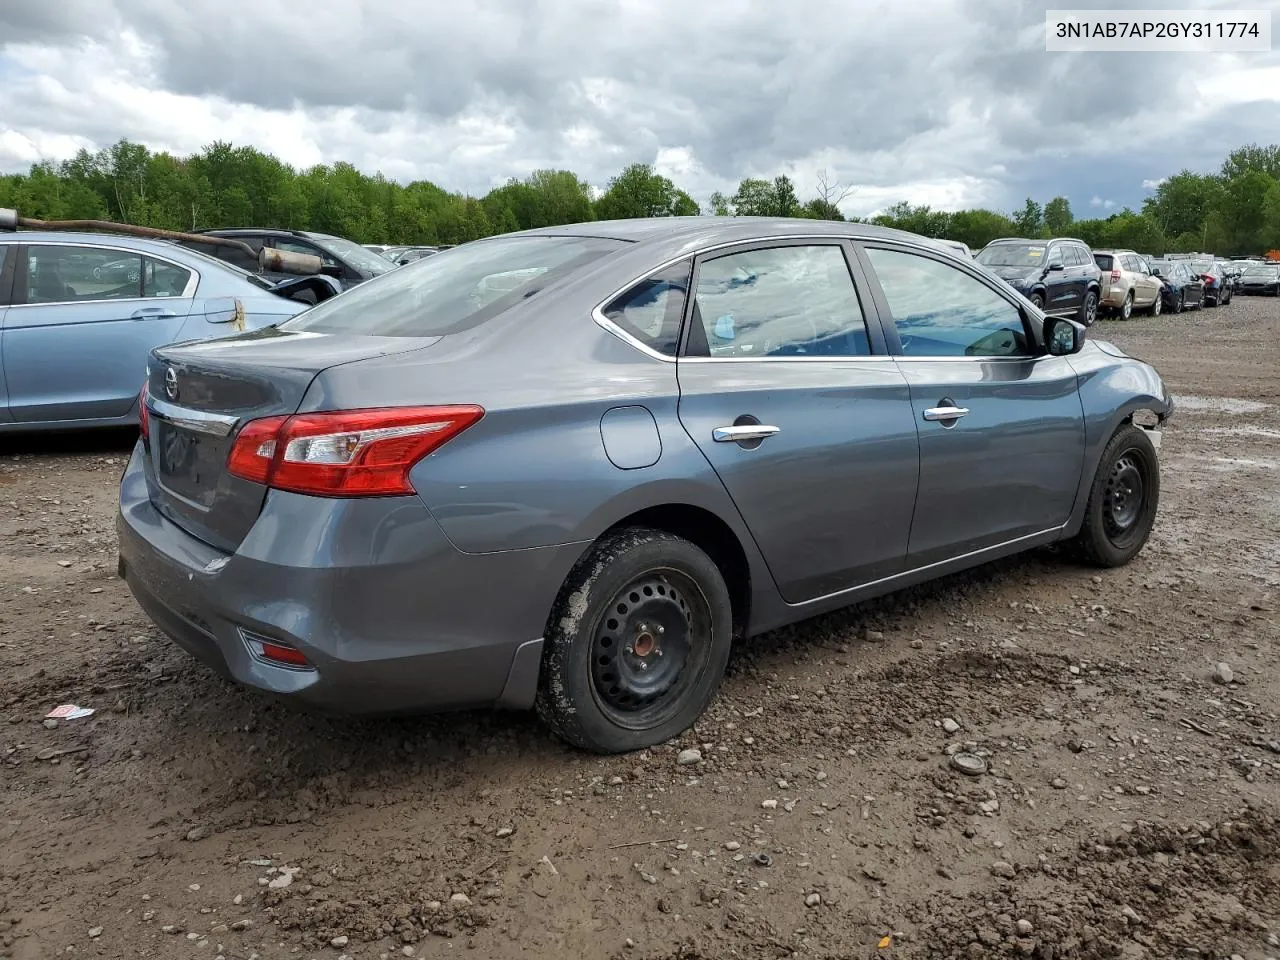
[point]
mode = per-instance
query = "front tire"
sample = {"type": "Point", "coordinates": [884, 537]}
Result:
{"type": "Point", "coordinates": [1180, 304]}
{"type": "Point", "coordinates": [1123, 500]}
{"type": "Point", "coordinates": [1088, 308]}
{"type": "Point", "coordinates": [1037, 301]}
{"type": "Point", "coordinates": [637, 643]}
{"type": "Point", "coordinates": [1157, 305]}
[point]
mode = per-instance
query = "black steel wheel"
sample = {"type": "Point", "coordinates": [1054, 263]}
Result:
{"type": "Point", "coordinates": [644, 651]}
{"type": "Point", "coordinates": [1123, 500]}
{"type": "Point", "coordinates": [637, 643]}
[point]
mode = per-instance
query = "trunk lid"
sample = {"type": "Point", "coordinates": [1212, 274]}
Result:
{"type": "Point", "coordinates": [201, 393]}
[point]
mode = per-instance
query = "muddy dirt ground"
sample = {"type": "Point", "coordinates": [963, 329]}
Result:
{"type": "Point", "coordinates": [1131, 808]}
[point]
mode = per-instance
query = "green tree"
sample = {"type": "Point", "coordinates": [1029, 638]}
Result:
{"type": "Point", "coordinates": [1029, 221]}
{"type": "Point", "coordinates": [977, 228]}
{"type": "Point", "coordinates": [1057, 216]}
{"type": "Point", "coordinates": [719, 204]}
{"type": "Point", "coordinates": [1182, 201]}
{"type": "Point", "coordinates": [639, 192]}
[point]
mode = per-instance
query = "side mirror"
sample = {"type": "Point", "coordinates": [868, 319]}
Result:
{"type": "Point", "coordinates": [1055, 265]}
{"type": "Point", "coordinates": [1063, 336]}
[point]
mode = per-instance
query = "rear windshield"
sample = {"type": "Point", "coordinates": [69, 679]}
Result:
{"type": "Point", "coordinates": [455, 289]}
{"type": "Point", "coordinates": [1012, 255]}
{"type": "Point", "coordinates": [1103, 260]}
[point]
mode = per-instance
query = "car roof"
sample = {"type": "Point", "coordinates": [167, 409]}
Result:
{"type": "Point", "coordinates": [675, 236]}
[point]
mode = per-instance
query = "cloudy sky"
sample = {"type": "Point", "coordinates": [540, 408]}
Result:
{"type": "Point", "coordinates": [953, 103]}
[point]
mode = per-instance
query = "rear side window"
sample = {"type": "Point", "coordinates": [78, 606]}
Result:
{"type": "Point", "coordinates": [652, 310]}
{"type": "Point", "coordinates": [781, 302]}
{"type": "Point", "coordinates": [1103, 260]}
{"type": "Point", "coordinates": [457, 289]}
{"type": "Point", "coordinates": [160, 279]}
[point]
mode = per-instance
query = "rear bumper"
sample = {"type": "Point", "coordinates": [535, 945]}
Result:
{"type": "Point", "coordinates": [392, 617]}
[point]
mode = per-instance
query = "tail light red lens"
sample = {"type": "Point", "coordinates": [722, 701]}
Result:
{"type": "Point", "coordinates": [279, 653]}
{"type": "Point", "coordinates": [351, 453]}
{"type": "Point", "coordinates": [1115, 276]}
{"type": "Point", "coordinates": [144, 418]}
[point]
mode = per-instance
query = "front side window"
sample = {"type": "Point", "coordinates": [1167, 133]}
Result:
{"type": "Point", "coordinates": [457, 289]}
{"type": "Point", "coordinates": [651, 311]}
{"type": "Point", "coordinates": [67, 274]}
{"type": "Point", "coordinates": [940, 311]}
{"type": "Point", "coordinates": [779, 302]}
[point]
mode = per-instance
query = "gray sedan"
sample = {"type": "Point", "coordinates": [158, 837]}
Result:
{"type": "Point", "coordinates": [566, 468]}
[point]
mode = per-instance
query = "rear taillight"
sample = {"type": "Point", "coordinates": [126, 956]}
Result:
{"type": "Point", "coordinates": [351, 453]}
{"type": "Point", "coordinates": [1115, 276]}
{"type": "Point", "coordinates": [144, 418]}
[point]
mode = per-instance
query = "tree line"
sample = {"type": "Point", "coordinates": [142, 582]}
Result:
{"type": "Point", "coordinates": [1231, 212]}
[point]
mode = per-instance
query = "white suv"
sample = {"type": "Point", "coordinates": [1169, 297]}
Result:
{"type": "Point", "coordinates": [1127, 283]}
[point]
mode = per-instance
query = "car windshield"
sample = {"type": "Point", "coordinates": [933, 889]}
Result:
{"type": "Point", "coordinates": [1262, 270]}
{"type": "Point", "coordinates": [457, 289]}
{"type": "Point", "coordinates": [1012, 255]}
{"type": "Point", "coordinates": [1202, 266]}
{"type": "Point", "coordinates": [354, 254]}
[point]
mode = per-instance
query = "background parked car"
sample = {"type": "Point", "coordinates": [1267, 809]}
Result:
{"type": "Point", "coordinates": [79, 313]}
{"type": "Point", "coordinates": [1180, 288]}
{"type": "Point", "coordinates": [1262, 278]}
{"type": "Point", "coordinates": [1127, 283]}
{"type": "Point", "coordinates": [347, 262]}
{"type": "Point", "coordinates": [1059, 276]}
{"type": "Point", "coordinates": [1218, 287]}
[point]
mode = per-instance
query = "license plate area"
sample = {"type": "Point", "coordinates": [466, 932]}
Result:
{"type": "Point", "coordinates": [187, 463]}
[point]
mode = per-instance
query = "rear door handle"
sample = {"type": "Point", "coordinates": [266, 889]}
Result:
{"type": "Point", "coordinates": [746, 431]}
{"type": "Point", "coordinates": [945, 413]}
{"type": "Point", "coordinates": [152, 313]}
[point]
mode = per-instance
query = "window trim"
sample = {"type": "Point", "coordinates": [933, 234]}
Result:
{"type": "Point", "coordinates": [8, 271]}
{"type": "Point", "coordinates": [188, 292]}
{"type": "Point", "coordinates": [1032, 325]}
{"type": "Point", "coordinates": [870, 308]}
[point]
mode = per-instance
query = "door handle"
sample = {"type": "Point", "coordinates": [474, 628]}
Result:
{"type": "Point", "coordinates": [746, 431]}
{"type": "Point", "coordinates": [945, 413]}
{"type": "Point", "coordinates": [152, 313]}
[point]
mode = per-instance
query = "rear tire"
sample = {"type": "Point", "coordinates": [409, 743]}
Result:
{"type": "Point", "coordinates": [1123, 500]}
{"type": "Point", "coordinates": [1126, 308]}
{"type": "Point", "coordinates": [637, 643]}
{"type": "Point", "coordinates": [1088, 308]}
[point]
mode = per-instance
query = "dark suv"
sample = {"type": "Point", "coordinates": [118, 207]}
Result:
{"type": "Point", "coordinates": [1059, 276]}
{"type": "Point", "coordinates": [347, 262]}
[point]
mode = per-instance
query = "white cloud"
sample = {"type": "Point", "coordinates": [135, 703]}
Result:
{"type": "Point", "coordinates": [468, 95]}
{"type": "Point", "coordinates": [1153, 184]}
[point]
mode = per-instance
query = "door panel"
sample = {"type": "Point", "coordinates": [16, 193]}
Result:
{"type": "Point", "coordinates": [828, 498]}
{"type": "Point", "coordinates": [1001, 428]}
{"type": "Point", "coordinates": [1008, 468]}
{"type": "Point", "coordinates": [825, 477]}
{"type": "Point", "coordinates": [84, 357]}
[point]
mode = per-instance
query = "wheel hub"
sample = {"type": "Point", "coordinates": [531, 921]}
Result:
{"type": "Point", "coordinates": [642, 647]}
{"type": "Point", "coordinates": [1125, 494]}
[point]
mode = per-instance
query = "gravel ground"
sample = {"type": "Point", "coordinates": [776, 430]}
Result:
{"type": "Point", "coordinates": [1128, 720]}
